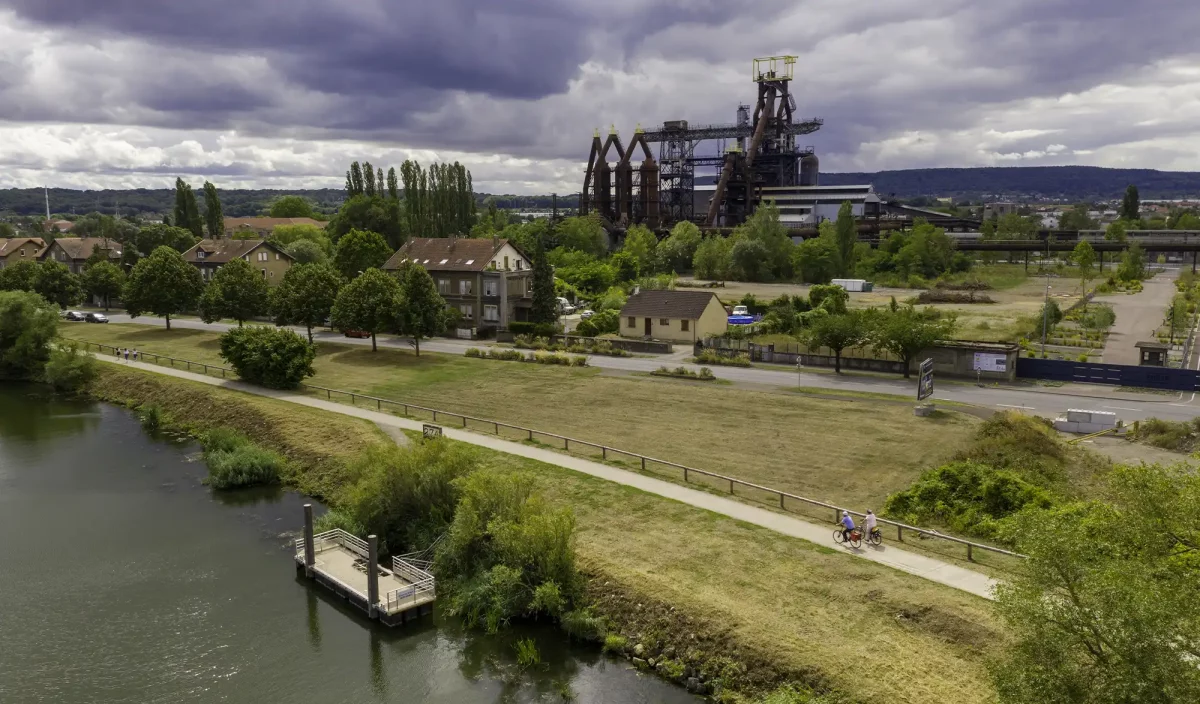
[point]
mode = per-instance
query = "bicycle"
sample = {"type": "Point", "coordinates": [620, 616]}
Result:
{"type": "Point", "coordinates": [855, 538]}
{"type": "Point", "coordinates": [874, 537]}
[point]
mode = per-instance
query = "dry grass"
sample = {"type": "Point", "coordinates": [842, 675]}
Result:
{"type": "Point", "coordinates": [776, 603]}
{"type": "Point", "coordinates": [850, 452]}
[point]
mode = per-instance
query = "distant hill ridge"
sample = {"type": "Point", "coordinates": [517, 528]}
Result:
{"type": "Point", "coordinates": [1069, 183]}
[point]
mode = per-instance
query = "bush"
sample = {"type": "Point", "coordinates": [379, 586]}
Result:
{"type": "Point", "coordinates": [709, 356]}
{"type": "Point", "coordinates": [27, 325]}
{"type": "Point", "coordinates": [474, 352]}
{"type": "Point", "coordinates": [968, 497]}
{"type": "Point", "coordinates": [582, 624]}
{"type": "Point", "coordinates": [579, 361]}
{"type": "Point", "coordinates": [615, 643]}
{"type": "Point", "coordinates": [534, 329]}
{"type": "Point", "coordinates": [337, 519]}
{"type": "Point", "coordinates": [505, 545]}
{"type": "Point", "coordinates": [1179, 436]}
{"type": "Point", "coordinates": [601, 323]}
{"type": "Point", "coordinates": [68, 369]}
{"type": "Point", "coordinates": [234, 461]}
{"type": "Point", "coordinates": [152, 417]}
{"type": "Point", "coordinates": [277, 358]}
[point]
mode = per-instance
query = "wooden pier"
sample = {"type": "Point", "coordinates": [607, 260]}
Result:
{"type": "Point", "coordinates": [339, 562]}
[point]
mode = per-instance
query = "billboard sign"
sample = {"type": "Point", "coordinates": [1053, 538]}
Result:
{"type": "Point", "coordinates": [925, 380]}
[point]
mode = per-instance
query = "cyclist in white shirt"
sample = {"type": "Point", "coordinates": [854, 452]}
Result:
{"type": "Point", "coordinates": [869, 522]}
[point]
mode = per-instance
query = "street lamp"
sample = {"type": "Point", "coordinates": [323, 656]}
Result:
{"type": "Point", "coordinates": [1045, 314]}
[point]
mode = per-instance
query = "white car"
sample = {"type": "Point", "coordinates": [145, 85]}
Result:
{"type": "Point", "coordinates": [586, 314]}
{"type": "Point", "coordinates": [741, 310]}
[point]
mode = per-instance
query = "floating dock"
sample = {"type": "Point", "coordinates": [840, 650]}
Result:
{"type": "Point", "coordinates": [339, 562]}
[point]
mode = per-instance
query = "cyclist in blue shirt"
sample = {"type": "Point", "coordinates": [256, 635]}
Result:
{"type": "Point", "coordinates": [847, 524]}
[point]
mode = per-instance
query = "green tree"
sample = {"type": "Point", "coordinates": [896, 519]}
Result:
{"type": "Point", "coordinates": [583, 234]}
{"type": "Point", "coordinates": [847, 237]}
{"type": "Point", "coordinates": [28, 323]}
{"type": "Point", "coordinates": [163, 283]}
{"type": "Point", "coordinates": [151, 237]}
{"type": "Point", "coordinates": [837, 332]}
{"type": "Point", "coordinates": [284, 235]}
{"type": "Point", "coordinates": [291, 207]}
{"type": "Point", "coordinates": [829, 297]}
{"type": "Point", "coordinates": [905, 332]}
{"type": "Point", "coordinates": [57, 284]}
{"type": "Point", "coordinates": [69, 369]}
{"type": "Point", "coordinates": [816, 259]}
{"type": "Point", "coordinates": [927, 251]}
{"type": "Point", "coordinates": [306, 295]}
{"type": "Point", "coordinates": [626, 267]}
{"type": "Point", "coordinates": [306, 252]}
{"type": "Point", "coordinates": [1186, 221]}
{"type": "Point", "coordinates": [771, 255]}
{"type": "Point", "coordinates": [1116, 232]}
{"type": "Point", "coordinates": [214, 218]}
{"type": "Point", "coordinates": [277, 358]}
{"type": "Point", "coordinates": [1105, 609]}
{"type": "Point", "coordinates": [360, 250]}
{"type": "Point", "coordinates": [713, 258]}
{"type": "Point", "coordinates": [1084, 257]}
{"type": "Point", "coordinates": [642, 244]}
{"type": "Point", "coordinates": [422, 309]}
{"type": "Point", "coordinates": [1178, 315]}
{"type": "Point", "coordinates": [187, 213]}
{"type": "Point", "coordinates": [7, 230]}
{"type": "Point", "coordinates": [1077, 218]}
{"type": "Point", "coordinates": [370, 303]}
{"type": "Point", "coordinates": [987, 233]}
{"type": "Point", "coordinates": [676, 252]}
{"type": "Point", "coordinates": [371, 214]}
{"type": "Point", "coordinates": [751, 259]}
{"type": "Point", "coordinates": [103, 280]}
{"type": "Point", "coordinates": [545, 303]}
{"type": "Point", "coordinates": [19, 276]}
{"type": "Point", "coordinates": [236, 291]}
{"type": "Point", "coordinates": [1133, 263]}
{"type": "Point", "coordinates": [1131, 204]}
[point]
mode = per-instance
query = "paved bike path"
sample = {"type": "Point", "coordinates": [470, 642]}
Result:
{"type": "Point", "coordinates": [919, 565]}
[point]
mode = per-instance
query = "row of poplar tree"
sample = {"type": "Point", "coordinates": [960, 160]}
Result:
{"type": "Point", "coordinates": [438, 201]}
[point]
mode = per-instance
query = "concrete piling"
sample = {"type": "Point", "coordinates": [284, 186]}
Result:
{"type": "Point", "coordinates": [310, 552]}
{"type": "Point", "coordinates": [372, 576]}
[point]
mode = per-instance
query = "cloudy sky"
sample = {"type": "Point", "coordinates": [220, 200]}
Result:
{"type": "Point", "coordinates": [275, 94]}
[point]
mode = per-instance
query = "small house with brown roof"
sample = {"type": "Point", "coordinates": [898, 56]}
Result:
{"type": "Point", "coordinates": [489, 281]}
{"type": "Point", "coordinates": [263, 227]}
{"type": "Point", "coordinates": [210, 255]}
{"type": "Point", "coordinates": [678, 316]}
{"type": "Point", "coordinates": [75, 251]}
{"type": "Point", "coordinates": [20, 249]}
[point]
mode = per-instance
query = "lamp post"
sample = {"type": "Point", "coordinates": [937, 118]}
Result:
{"type": "Point", "coordinates": [1045, 314]}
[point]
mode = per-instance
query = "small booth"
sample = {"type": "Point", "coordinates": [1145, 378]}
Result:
{"type": "Point", "coordinates": [1153, 354]}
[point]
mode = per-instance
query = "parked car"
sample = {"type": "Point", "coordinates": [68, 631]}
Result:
{"type": "Point", "coordinates": [356, 333]}
{"type": "Point", "coordinates": [73, 315]}
{"type": "Point", "coordinates": [586, 314]}
{"type": "Point", "coordinates": [96, 318]}
{"type": "Point", "coordinates": [565, 307]}
{"type": "Point", "coordinates": [741, 310]}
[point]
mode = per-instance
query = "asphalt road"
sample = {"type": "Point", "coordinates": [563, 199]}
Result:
{"type": "Point", "coordinates": [1138, 317]}
{"type": "Point", "coordinates": [1043, 401]}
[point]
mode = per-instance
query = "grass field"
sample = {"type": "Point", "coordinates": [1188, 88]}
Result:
{"type": "Point", "coordinates": [766, 600]}
{"type": "Point", "coordinates": [851, 452]}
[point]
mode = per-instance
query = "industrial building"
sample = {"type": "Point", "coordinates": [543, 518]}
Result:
{"type": "Point", "coordinates": [755, 158]}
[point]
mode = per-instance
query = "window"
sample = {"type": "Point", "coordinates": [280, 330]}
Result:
{"type": "Point", "coordinates": [443, 286]}
{"type": "Point", "coordinates": [22, 252]}
{"type": "Point", "coordinates": [665, 322]}
{"type": "Point", "coordinates": [470, 262]}
{"type": "Point", "coordinates": [519, 263]}
{"type": "Point", "coordinates": [467, 311]}
{"type": "Point", "coordinates": [263, 256]}
{"type": "Point", "coordinates": [277, 256]}
{"type": "Point", "coordinates": [489, 288]}
{"type": "Point", "coordinates": [200, 253]}
{"type": "Point", "coordinates": [464, 288]}
{"type": "Point", "coordinates": [270, 274]}
{"type": "Point", "coordinates": [683, 325]}
{"type": "Point", "coordinates": [632, 323]}
{"type": "Point", "coordinates": [506, 262]}
{"type": "Point", "coordinates": [264, 273]}
{"type": "Point", "coordinates": [491, 314]}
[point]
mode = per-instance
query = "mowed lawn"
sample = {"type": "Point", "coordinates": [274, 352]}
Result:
{"type": "Point", "coordinates": [853, 453]}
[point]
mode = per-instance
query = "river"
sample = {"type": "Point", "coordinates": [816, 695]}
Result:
{"type": "Point", "coordinates": [124, 579]}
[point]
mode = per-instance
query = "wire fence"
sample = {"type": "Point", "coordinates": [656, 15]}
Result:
{"type": "Point", "coordinates": [787, 501]}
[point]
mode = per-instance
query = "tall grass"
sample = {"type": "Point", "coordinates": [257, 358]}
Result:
{"type": "Point", "coordinates": [234, 461]}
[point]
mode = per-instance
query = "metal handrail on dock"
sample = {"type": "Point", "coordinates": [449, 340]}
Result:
{"type": "Point", "coordinates": [606, 451]}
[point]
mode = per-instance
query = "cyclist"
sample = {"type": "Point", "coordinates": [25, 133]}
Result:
{"type": "Point", "coordinates": [870, 524]}
{"type": "Point", "coordinates": [847, 525]}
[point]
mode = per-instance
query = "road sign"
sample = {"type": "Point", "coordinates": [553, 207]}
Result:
{"type": "Point", "coordinates": [925, 380]}
{"type": "Point", "coordinates": [431, 432]}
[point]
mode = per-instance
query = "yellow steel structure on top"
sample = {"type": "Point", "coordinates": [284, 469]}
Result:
{"type": "Point", "coordinates": [774, 68]}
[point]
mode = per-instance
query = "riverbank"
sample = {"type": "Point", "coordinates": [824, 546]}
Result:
{"type": "Point", "coordinates": [726, 597]}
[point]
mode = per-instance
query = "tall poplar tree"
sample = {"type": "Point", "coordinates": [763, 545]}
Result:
{"type": "Point", "coordinates": [213, 217]}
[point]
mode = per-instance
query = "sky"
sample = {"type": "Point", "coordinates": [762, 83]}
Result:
{"type": "Point", "coordinates": [273, 94]}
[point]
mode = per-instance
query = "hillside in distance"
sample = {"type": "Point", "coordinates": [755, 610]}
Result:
{"type": "Point", "coordinates": [1066, 183]}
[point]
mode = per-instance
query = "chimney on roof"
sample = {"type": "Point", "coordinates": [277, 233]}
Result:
{"type": "Point", "coordinates": [495, 241]}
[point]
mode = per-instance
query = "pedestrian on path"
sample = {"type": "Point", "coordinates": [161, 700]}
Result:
{"type": "Point", "coordinates": [126, 354]}
{"type": "Point", "coordinates": [117, 350]}
{"type": "Point", "coordinates": [135, 354]}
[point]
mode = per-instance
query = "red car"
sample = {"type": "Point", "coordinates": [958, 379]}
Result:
{"type": "Point", "coordinates": [356, 333]}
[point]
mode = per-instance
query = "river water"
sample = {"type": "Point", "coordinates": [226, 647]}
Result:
{"type": "Point", "coordinates": [124, 579]}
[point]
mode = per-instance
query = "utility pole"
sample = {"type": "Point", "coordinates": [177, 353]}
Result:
{"type": "Point", "coordinates": [1045, 313]}
{"type": "Point", "coordinates": [47, 192]}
